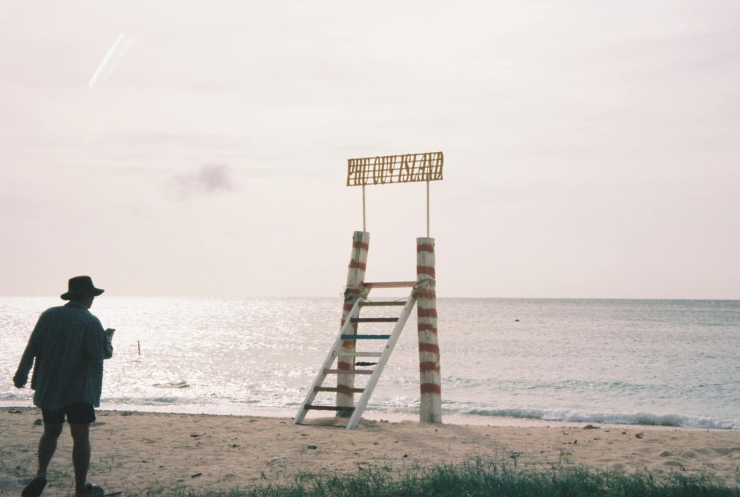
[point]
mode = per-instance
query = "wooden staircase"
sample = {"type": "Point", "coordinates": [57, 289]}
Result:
{"type": "Point", "coordinates": [336, 352]}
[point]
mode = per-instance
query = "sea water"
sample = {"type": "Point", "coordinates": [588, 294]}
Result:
{"type": "Point", "coordinates": [659, 362]}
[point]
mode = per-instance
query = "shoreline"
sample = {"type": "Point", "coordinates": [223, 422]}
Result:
{"type": "Point", "coordinates": [134, 451]}
{"type": "Point", "coordinates": [378, 415]}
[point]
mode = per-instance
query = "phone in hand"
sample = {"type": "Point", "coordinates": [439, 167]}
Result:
{"type": "Point", "coordinates": [110, 332]}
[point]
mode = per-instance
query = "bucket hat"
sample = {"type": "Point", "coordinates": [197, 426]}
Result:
{"type": "Point", "coordinates": [81, 286]}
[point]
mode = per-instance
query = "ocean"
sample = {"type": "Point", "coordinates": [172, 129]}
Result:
{"type": "Point", "coordinates": [650, 362]}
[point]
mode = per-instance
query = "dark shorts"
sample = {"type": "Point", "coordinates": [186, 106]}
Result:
{"type": "Point", "coordinates": [78, 413]}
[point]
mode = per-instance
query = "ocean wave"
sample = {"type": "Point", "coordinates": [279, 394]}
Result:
{"type": "Point", "coordinates": [172, 384]}
{"type": "Point", "coordinates": [634, 418]}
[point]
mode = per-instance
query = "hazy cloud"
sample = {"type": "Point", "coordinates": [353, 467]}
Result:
{"type": "Point", "coordinates": [208, 179]}
{"type": "Point", "coordinates": [591, 147]}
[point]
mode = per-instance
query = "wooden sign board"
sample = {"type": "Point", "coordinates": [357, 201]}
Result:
{"type": "Point", "coordinates": [409, 168]}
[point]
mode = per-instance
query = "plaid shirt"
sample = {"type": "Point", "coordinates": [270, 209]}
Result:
{"type": "Point", "coordinates": [69, 346]}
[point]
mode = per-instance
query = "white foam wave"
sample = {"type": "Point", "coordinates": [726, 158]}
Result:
{"type": "Point", "coordinates": [634, 418]}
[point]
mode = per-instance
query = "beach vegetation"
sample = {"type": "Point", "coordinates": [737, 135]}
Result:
{"type": "Point", "coordinates": [480, 477]}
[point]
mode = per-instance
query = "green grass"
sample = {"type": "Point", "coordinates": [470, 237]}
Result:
{"type": "Point", "coordinates": [483, 478]}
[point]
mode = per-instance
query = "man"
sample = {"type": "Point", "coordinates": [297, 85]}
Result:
{"type": "Point", "coordinates": [69, 346]}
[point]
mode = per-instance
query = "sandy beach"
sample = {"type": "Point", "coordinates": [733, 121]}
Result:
{"type": "Point", "coordinates": [134, 451]}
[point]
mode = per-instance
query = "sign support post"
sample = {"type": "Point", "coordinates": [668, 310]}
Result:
{"type": "Point", "coordinates": [364, 228]}
{"type": "Point", "coordinates": [430, 405]}
{"type": "Point", "coordinates": [353, 290]}
{"type": "Point", "coordinates": [427, 208]}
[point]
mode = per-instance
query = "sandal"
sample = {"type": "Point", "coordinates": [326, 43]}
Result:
{"type": "Point", "coordinates": [95, 490]}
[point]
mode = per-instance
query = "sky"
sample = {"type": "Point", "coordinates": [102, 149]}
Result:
{"type": "Point", "coordinates": [591, 148]}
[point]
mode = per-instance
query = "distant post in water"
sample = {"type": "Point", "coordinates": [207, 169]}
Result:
{"type": "Point", "coordinates": [429, 371]}
{"type": "Point", "coordinates": [354, 288]}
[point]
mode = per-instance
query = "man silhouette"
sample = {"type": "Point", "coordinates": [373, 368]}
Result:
{"type": "Point", "coordinates": [68, 346]}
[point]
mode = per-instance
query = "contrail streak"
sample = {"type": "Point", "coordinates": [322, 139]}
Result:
{"type": "Point", "coordinates": [112, 65]}
{"type": "Point", "coordinates": [106, 66]}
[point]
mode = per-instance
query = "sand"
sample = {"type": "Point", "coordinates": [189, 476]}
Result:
{"type": "Point", "coordinates": [135, 451]}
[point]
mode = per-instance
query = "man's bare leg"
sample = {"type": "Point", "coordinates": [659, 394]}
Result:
{"type": "Point", "coordinates": [80, 455]}
{"type": "Point", "coordinates": [47, 446]}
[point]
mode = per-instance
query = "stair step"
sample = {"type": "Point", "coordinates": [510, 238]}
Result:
{"type": "Point", "coordinates": [339, 389]}
{"type": "Point", "coordinates": [383, 304]}
{"type": "Point", "coordinates": [365, 337]}
{"type": "Point", "coordinates": [374, 320]}
{"type": "Point", "coordinates": [338, 351]}
{"type": "Point", "coordinates": [310, 407]}
{"type": "Point", "coordinates": [358, 354]}
{"type": "Point", "coordinates": [348, 371]}
{"type": "Point", "coordinates": [390, 284]}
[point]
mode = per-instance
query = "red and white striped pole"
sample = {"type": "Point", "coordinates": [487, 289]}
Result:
{"type": "Point", "coordinates": [426, 294]}
{"type": "Point", "coordinates": [355, 280]}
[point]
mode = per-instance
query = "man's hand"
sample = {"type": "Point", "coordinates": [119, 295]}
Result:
{"type": "Point", "coordinates": [19, 382]}
{"type": "Point", "coordinates": [109, 332]}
